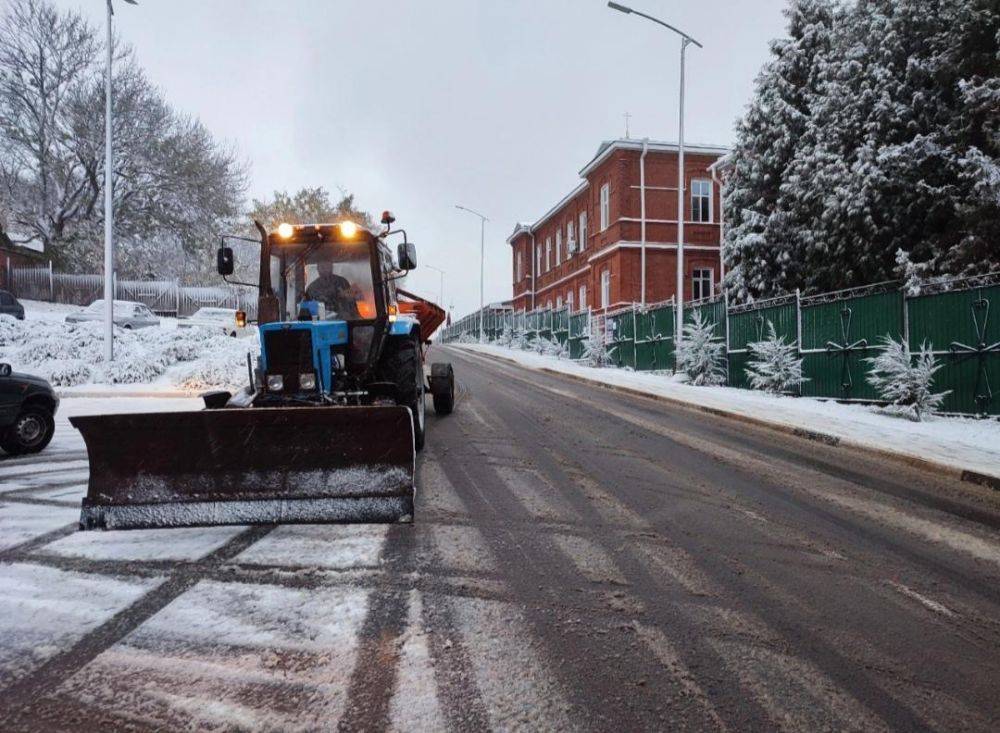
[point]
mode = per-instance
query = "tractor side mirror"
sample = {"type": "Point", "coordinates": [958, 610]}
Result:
{"type": "Point", "coordinates": [241, 319]}
{"type": "Point", "coordinates": [407, 256]}
{"type": "Point", "coordinates": [5, 370]}
{"type": "Point", "coordinates": [224, 261]}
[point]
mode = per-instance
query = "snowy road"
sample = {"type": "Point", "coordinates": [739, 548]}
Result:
{"type": "Point", "coordinates": [580, 560]}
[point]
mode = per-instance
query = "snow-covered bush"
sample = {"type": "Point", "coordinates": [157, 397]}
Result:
{"type": "Point", "coordinates": [550, 347]}
{"type": "Point", "coordinates": [506, 338]}
{"type": "Point", "coordinates": [901, 380]}
{"type": "Point", "coordinates": [595, 350]}
{"type": "Point", "coordinates": [774, 365]}
{"type": "Point", "coordinates": [700, 355]}
{"type": "Point", "coordinates": [132, 364]}
{"type": "Point", "coordinates": [224, 368]}
{"type": "Point", "coordinates": [69, 373]}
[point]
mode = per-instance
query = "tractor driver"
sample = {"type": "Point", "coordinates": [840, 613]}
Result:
{"type": "Point", "coordinates": [334, 291]}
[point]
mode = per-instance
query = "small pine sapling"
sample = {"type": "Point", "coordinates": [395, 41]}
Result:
{"type": "Point", "coordinates": [901, 380]}
{"type": "Point", "coordinates": [700, 355]}
{"type": "Point", "coordinates": [774, 366]}
{"type": "Point", "coordinates": [595, 350]}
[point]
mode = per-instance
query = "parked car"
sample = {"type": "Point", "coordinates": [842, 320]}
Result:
{"type": "Point", "coordinates": [9, 306]}
{"type": "Point", "coordinates": [218, 319]}
{"type": "Point", "coordinates": [126, 314]}
{"type": "Point", "coordinates": [27, 412]}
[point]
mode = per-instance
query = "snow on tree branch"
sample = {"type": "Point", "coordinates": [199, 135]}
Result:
{"type": "Point", "coordinates": [701, 354]}
{"type": "Point", "coordinates": [774, 366]}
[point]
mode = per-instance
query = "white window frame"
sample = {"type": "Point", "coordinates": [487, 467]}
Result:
{"type": "Point", "coordinates": [570, 239]}
{"type": "Point", "coordinates": [582, 232]}
{"type": "Point", "coordinates": [569, 300]}
{"type": "Point", "coordinates": [695, 278]}
{"type": "Point", "coordinates": [583, 297]}
{"type": "Point", "coordinates": [519, 267]}
{"type": "Point", "coordinates": [548, 253]}
{"type": "Point", "coordinates": [711, 213]}
{"type": "Point", "coordinates": [558, 302]}
{"type": "Point", "coordinates": [558, 246]}
{"type": "Point", "coordinates": [605, 288]}
{"type": "Point", "coordinates": [605, 206]}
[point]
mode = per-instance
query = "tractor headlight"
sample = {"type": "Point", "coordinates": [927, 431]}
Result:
{"type": "Point", "coordinates": [275, 383]}
{"type": "Point", "coordinates": [307, 381]}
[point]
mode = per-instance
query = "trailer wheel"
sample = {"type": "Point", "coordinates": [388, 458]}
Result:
{"type": "Point", "coordinates": [443, 388]}
{"type": "Point", "coordinates": [402, 365]}
{"type": "Point", "coordinates": [30, 433]}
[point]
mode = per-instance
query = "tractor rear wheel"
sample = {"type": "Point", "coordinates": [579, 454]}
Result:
{"type": "Point", "coordinates": [402, 365]}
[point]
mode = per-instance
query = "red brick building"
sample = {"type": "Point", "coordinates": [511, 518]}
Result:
{"type": "Point", "coordinates": [586, 250]}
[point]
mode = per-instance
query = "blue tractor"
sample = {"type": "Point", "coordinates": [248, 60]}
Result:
{"type": "Point", "coordinates": [328, 427]}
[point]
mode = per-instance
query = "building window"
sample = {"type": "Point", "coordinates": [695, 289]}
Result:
{"type": "Point", "coordinates": [548, 253]}
{"type": "Point", "coordinates": [558, 244]}
{"type": "Point", "coordinates": [569, 301]}
{"type": "Point", "coordinates": [519, 267]}
{"type": "Point", "coordinates": [583, 230]}
{"type": "Point", "coordinates": [605, 288]}
{"type": "Point", "coordinates": [558, 301]}
{"type": "Point", "coordinates": [701, 200]}
{"type": "Point", "coordinates": [583, 297]}
{"type": "Point", "coordinates": [570, 239]}
{"type": "Point", "coordinates": [538, 265]}
{"type": "Point", "coordinates": [605, 206]}
{"type": "Point", "coordinates": [701, 283]}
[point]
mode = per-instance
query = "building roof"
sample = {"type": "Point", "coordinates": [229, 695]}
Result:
{"type": "Point", "coordinates": [657, 146]}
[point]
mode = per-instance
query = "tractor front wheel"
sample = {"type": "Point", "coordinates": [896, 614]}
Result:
{"type": "Point", "coordinates": [402, 365]}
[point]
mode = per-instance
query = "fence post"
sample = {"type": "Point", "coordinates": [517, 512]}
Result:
{"type": "Point", "coordinates": [798, 318]}
{"type": "Point", "coordinates": [52, 286]}
{"type": "Point", "coordinates": [177, 296]}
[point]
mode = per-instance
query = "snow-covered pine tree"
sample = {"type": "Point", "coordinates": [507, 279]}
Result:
{"type": "Point", "coordinates": [901, 380]}
{"type": "Point", "coordinates": [700, 355]}
{"type": "Point", "coordinates": [895, 145]}
{"type": "Point", "coordinates": [775, 365]}
{"type": "Point", "coordinates": [761, 249]}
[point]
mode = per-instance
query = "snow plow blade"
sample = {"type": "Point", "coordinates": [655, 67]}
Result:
{"type": "Point", "coordinates": [248, 466]}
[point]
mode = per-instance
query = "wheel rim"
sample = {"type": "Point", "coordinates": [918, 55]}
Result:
{"type": "Point", "coordinates": [30, 430]}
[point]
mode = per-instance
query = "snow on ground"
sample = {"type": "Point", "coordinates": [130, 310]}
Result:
{"type": "Point", "coordinates": [963, 443]}
{"type": "Point", "coordinates": [159, 359]}
{"type": "Point", "coordinates": [45, 610]}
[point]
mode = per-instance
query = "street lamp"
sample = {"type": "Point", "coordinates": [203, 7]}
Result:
{"type": "Point", "coordinates": [440, 272]}
{"type": "Point", "coordinates": [482, 265]}
{"type": "Point", "coordinates": [109, 223]}
{"type": "Point", "coordinates": [685, 40]}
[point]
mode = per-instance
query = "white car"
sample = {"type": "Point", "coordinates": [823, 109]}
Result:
{"type": "Point", "coordinates": [216, 319]}
{"type": "Point", "coordinates": [127, 314]}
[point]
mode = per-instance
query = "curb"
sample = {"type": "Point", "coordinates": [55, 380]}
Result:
{"type": "Point", "coordinates": [943, 469]}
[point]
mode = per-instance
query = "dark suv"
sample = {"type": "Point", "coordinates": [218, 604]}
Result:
{"type": "Point", "coordinates": [27, 412]}
{"type": "Point", "coordinates": [10, 307]}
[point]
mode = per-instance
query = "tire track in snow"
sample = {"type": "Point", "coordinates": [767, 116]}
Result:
{"type": "Point", "coordinates": [24, 703]}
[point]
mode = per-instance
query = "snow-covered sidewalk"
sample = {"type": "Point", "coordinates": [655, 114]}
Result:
{"type": "Point", "coordinates": [961, 444]}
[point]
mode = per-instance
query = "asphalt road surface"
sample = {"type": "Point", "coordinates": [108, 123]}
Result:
{"type": "Point", "coordinates": [580, 560]}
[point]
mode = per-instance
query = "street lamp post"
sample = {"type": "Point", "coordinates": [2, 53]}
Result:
{"type": "Point", "coordinates": [441, 273]}
{"type": "Point", "coordinates": [685, 40]}
{"type": "Point", "coordinates": [109, 222]}
{"type": "Point", "coordinates": [482, 264]}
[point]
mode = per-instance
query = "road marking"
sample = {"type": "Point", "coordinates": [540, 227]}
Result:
{"type": "Point", "coordinates": [922, 599]}
{"type": "Point", "coordinates": [415, 704]}
{"type": "Point", "coordinates": [658, 642]}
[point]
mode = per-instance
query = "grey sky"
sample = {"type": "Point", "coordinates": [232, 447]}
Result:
{"type": "Point", "coordinates": [417, 106]}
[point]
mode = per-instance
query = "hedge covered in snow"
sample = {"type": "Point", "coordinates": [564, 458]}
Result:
{"type": "Point", "coordinates": [72, 354]}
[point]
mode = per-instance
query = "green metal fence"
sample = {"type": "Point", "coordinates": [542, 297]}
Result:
{"type": "Point", "coordinates": [835, 333]}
